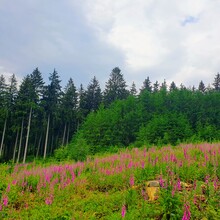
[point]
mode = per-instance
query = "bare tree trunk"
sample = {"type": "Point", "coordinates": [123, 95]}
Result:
{"type": "Point", "coordinates": [38, 147]}
{"type": "Point", "coordinates": [15, 147]}
{"type": "Point", "coordinates": [46, 140]}
{"type": "Point", "coordinates": [64, 135]}
{"type": "Point", "coordinates": [27, 138]}
{"type": "Point", "coordinates": [20, 142]}
{"type": "Point", "coordinates": [3, 137]}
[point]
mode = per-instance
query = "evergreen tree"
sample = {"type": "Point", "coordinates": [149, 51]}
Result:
{"type": "Point", "coordinates": [156, 86]}
{"type": "Point", "coordinates": [216, 82]}
{"type": "Point", "coordinates": [133, 90]}
{"type": "Point", "coordinates": [173, 86]}
{"type": "Point", "coordinates": [147, 85]}
{"type": "Point", "coordinates": [82, 111]}
{"type": "Point", "coordinates": [164, 86]}
{"type": "Point", "coordinates": [115, 87]}
{"type": "Point", "coordinates": [69, 108]}
{"type": "Point", "coordinates": [93, 96]}
{"type": "Point", "coordinates": [52, 96]}
{"type": "Point", "coordinates": [201, 87]}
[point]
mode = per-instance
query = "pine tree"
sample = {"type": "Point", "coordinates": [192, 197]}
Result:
{"type": "Point", "coordinates": [52, 97]}
{"type": "Point", "coordinates": [115, 87]}
{"type": "Point", "coordinates": [147, 85]}
{"type": "Point", "coordinates": [173, 86]}
{"type": "Point", "coordinates": [93, 97]}
{"type": "Point", "coordinates": [133, 90]}
{"type": "Point", "coordinates": [216, 82]}
{"type": "Point", "coordinates": [69, 107]}
{"type": "Point", "coordinates": [156, 86]}
{"type": "Point", "coordinates": [202, 87]}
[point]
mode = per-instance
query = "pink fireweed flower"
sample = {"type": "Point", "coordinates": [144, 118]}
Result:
{"type": "Point", "coordinates": [5, 200]}
{"type": "Point", "coordinates": [132, 181]}
{"type": "Point", "coordinates": [207, 179]}
{"type": "Point", "coordinates": [123, 211]}
{"type": "Point", "coordinates": [215, 183]}
{"type": "Point", "coordinates": [8, 188]}
{"type": "Point", "coordinates": [194, 184]}
{"type": "Point", "coordinates": [130, 165]}
{"type": "Point", "coordinates": [179, 184]}
{"type": "Point", "coordinates": [161, 181]}
{"type": "Point", "coordinates": [187, 214]}
{"type": "Point", "coordinates": [14, 182]}
{"type": "Point", "coordinates": [49, 200]}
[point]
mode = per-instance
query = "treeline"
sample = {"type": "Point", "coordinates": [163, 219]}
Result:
{"type": "Point", "coordinates": [158, 115]}
{"type": "Point", "coordinates": [37, 119]}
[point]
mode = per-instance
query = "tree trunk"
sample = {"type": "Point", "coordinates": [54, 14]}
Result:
{"type": "Point", "coordinates": [46, 140]}
{"type": "Point", "coordinates": [38, 147]}
{"type": "Point", "coordinates": [3, 137]}
{"type": "Point", "coordinates": [64, 135]}
{"type": "Point", "coordinates": [27, 138]}
{"type": "Point", "coordinates": [20, 142]}
{"type": "Point", "coordinates": [15, 147]}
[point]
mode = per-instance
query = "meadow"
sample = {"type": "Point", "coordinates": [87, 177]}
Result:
{"type": "Point", "coordinates": [180, 182]}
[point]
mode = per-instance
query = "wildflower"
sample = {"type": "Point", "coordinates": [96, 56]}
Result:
{"type": "Point", "coordinates": [207, 179]}
{"type": "Point", "coordinates": [5, 200]}
{"type": "Point", "coordinates": [187, 214]}
{"type": "Point", "coordinates": [161, 181]}
{"type": "Point", "coordinates": [49, 200]}
{"type": "Point", "coordinates": [123, 211]}
{"type": "Point", "coordinates": [132, 181]}
{"type": "Point", "coordinates": [215, 183]}
{"type": "Point", "coordinates": [179, 184]}
{"type": "Point", "coordinates": [8, 188]}
{"type": "Point", "coordinates": [194, 185]}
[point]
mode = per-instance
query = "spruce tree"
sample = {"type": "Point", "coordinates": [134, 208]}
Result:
{"type": "Point", "coordinates": [93, 97]}
{"type": "Point", "coordinates": [147, 85]}
{"type": "Point", "coordinates": [216, 82]}
{"type": "Point", "coordinates": [201, 87]}
{"type": "Point", "coordinates": [115, 87]}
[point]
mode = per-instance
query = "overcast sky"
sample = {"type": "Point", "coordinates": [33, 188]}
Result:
{"type": "Point", "coordinates": [173, 40]}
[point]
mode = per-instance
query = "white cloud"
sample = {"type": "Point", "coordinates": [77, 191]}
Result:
{"type": "Point", "coordinates": [182, 36]}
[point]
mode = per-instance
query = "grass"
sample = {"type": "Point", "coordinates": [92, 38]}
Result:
{"type": "Point", "coordinates": [116, 186]}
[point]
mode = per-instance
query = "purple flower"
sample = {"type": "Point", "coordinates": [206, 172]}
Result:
{"type": "Point", "coordinates": [187, 214]}
{"type": "Point", "coordinates": [5, 200]}
{"type": "Point", "coordinates": [132, 181]}
{"type": "Point", "coordinates": [123, 211]}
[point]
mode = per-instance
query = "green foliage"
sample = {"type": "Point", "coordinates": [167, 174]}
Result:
{"type": "Point", "coordinates": [78, 149]}
{"type": "Point", "coordinates": [61, 153]}
{"type": "Point", "coordinates": [165, 129]}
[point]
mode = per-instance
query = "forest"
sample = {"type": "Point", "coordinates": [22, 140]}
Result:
{"type": "Point", "coordinates": [39, 120]}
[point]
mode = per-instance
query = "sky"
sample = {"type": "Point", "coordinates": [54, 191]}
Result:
{"type": "Point", "coordinates": [173, 40]}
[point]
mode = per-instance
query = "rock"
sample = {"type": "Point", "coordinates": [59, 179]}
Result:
{"type": "Point", "coordinates": [152, 189]}
{"type": "Point", "coordinates": [152, 193]}
{"type": "Point", "coordinates": [153, 183]}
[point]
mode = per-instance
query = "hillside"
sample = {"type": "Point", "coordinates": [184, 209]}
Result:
{"type": "Point", "coordinates": [155, 183]}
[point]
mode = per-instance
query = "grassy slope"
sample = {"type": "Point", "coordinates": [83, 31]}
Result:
{"type": "Point", "coordinates": [99, 188]}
